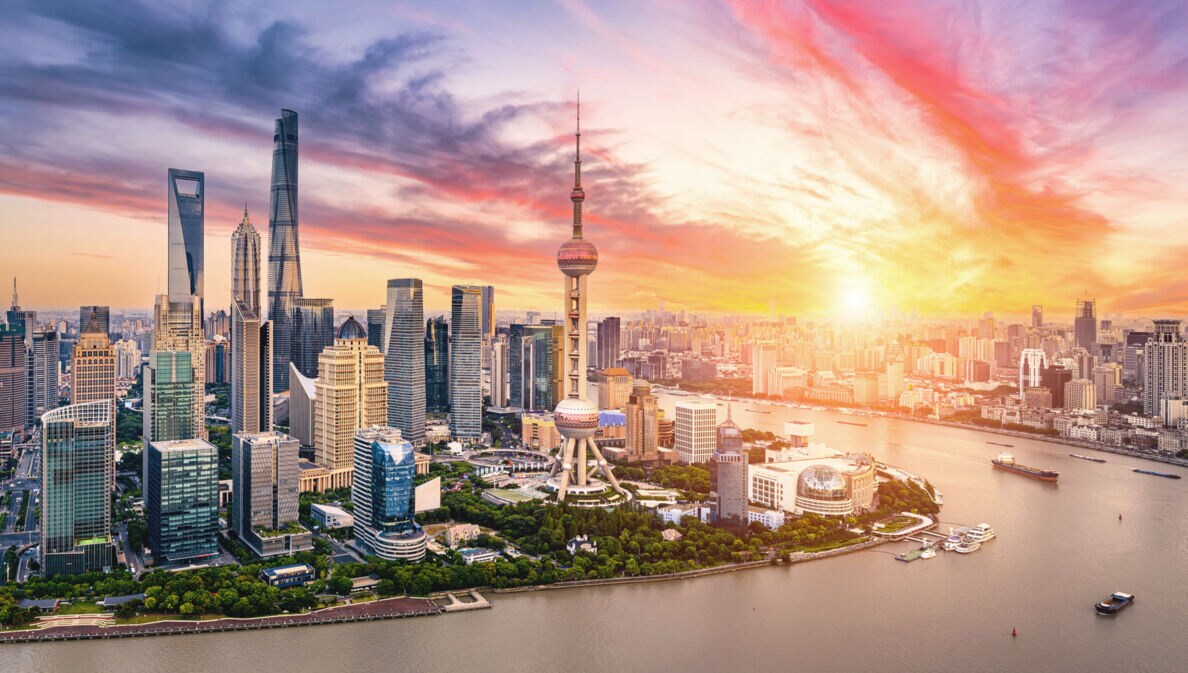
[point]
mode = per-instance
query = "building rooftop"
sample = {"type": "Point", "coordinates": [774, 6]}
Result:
{"type": "Point", "coordinates": [113, 601]}
{"type": "Point", "coordinates": [286, 571]}
{"type": "Point", "coordinates": [615, 371]}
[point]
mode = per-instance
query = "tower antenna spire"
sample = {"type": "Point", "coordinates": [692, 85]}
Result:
{"type": "Point", "coordinates": [578, 194]}
{"type": "Point", "coordinates": [15, 304]}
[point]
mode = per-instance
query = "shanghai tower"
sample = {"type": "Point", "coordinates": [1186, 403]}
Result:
{"type": "Point", "coordinates": [284, 258]}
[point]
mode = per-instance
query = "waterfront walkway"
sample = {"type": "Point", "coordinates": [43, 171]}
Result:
{"type": "Point", "coordinates": [387, 608]}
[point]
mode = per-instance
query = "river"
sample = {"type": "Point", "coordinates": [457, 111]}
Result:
{"type": "Point", "coordinates": [1059, 549]}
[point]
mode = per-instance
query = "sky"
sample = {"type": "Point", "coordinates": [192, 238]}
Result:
{"type": "Point", "coordinates": [824, 158]}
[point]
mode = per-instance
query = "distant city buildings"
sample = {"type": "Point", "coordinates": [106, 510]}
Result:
{"type": "Point", "coordinates": [608, 343]}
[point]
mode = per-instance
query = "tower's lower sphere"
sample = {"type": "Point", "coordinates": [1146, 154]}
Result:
{"type": "Point", "coordinates": [576, 419]}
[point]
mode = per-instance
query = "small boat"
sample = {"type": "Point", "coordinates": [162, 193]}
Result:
{"type": "Point", "coordinates": [863, 425]}
{"type": "Point", "coordinates": [1114, 603]}
{"type": "Point", "coordinates": [1157, 474]}
{"type": "Point", "coordinates": [980, 533]}
{"type": "Point", "coordinates": [909, 556]}
{"type": "Point", "coordinates": [968, 547]}
{"type": "Point", "coordinates": [1096, 460]}
{"type": "Point", "coordinates": [1001, 444]}
{"type": "Point", "coordinates": [952, 541]}
{"type": "Point", "coordinates": [1006, 461]}
{"type": "Point", "coordinates": [758, 411]}
{"type": "Point", "coordinates": [928, 552]}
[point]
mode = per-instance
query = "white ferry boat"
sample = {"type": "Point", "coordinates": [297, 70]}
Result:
{"type": "Point", "coordinates": [952, 541]}
{"type": "Point", "coordinates": [980, 533]}
{"type": "Point", "coordinates": [928, 552]}
{"type": "Point", "coordinates": [968, 547]}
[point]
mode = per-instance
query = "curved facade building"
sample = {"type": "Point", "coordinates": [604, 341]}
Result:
{"type": "Point", "coordinates": [284, 258]}
{"type": "Point", "coordinates": [77, 466]}
{"type": "Point", "coordinates": [404, 358]}
{"type": "Point", "coordinates": [822, 490]}
{"type": "Point", "coordinates": [385, 497]}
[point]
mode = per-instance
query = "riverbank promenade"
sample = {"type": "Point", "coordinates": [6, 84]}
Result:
{"type": "Point", "coordinates": [387, 608]}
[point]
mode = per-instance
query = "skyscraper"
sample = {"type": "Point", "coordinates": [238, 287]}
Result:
{"type": "Point", "coordinates": [169, 396]}
{"type": "Point", "coordinates": [23, 321]}
{"type": "Point", "coordinates": [93, 374]}
{"type": "Point", "coordinates": [576, 417]}
{"type": "Point", "coordinates": [42, 369]}
{"type": "Point", "coordinates": [488, 313]}
{"type": "Point", "coordinates": [614, 387]}
{"type": "Point", "coordinates": [312, 330]}
{"type": "Point", "coordinates": [284, 258]}
{"type": "Point", "coordinates": [102, 315]}
{"type": "Point", "coordinates": [350, 393]}
{"type": "Point", "coordinates": [178, 327]}
{"type": "Point", "coordinates": [77, 466]}
{"type": "Point", "coordinates": [535, 366]}
{"type": "Point", "coordinates": [264, 504]}
{"type": "Point", "coordinates": [384, 495]}
{"type": "Point", "coordinates": [1165, 366]}
{"type": "Point", "coordinates": [187, 193]}
{"type": "Point", "coordinates": [404, 358]}
{"type": "Point", "coordinates": [13, 381]}
{"type": "Point", "coordinates": [1037, 316]}
{"type": "Point", "coordinates": [466, 383]}
{"type": "Point", "coordinates": [499, 356]}
{"type": "Point", "coordinates": [375, 326]}
{"type": "Point", "coordinates": [694, 433]}
{"type": "Point", "coordinates": [251, 370]}
{"type": "Point", "coordinates": [643, 441]}
{"type": "Point", "coordinates": [181, 499]}
{"type": "Point", "coordinates": [437, 366]}
{"type": "Point", "coordinates": [1085, 325]}
{"type": "Point", "coordinates": [608, 343]}
{"type": "Point", "coordinates": [245, 265]}
{"type": "Point", "coordinates": [764, 359]}
{"type": "Point", "coordinates": [728, 475]}
{"type": "Point", "coordinates": [1080, 394]}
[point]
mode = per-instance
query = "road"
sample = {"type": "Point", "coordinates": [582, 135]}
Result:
{"type": "Point", "coordinates": [25, 485]}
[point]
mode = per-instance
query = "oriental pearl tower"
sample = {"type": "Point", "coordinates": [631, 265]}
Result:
{"type": "Point", "coordinates": [576, 418]}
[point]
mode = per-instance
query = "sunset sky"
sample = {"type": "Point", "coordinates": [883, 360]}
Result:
{"type": "Point", "coordinates": [950, 157]}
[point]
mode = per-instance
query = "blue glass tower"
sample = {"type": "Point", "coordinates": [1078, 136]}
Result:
{"type": "Point", "coordinates": [284, 258]}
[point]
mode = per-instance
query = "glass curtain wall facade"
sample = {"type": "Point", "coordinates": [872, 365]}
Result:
{"type": "Point", "coordinates": [187, 193]}
{"type": "Point", "coordinates": [312, 331]}
{"type": "Point", "coordinates": [437, 366]}
{"type": "Point", "coordinates": [404, 358]}
{"type": "Point", "coordinates": [284, 258]}
{"type": "Point", "coordinates": [181, 500]}
{"type": "Point", "coordinates": [77, 466]}
{"type": "Point", "coordinates": [466, 343]}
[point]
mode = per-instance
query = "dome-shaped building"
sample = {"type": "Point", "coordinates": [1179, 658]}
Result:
{"type": "Point", "coordinates": [351, 329]}
{"type": "Point", "coordinates": [822, 489]}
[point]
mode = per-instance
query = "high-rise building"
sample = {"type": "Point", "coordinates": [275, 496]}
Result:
{"type": "Point", "coordinates": [384, 495]}
{"type": "Point", "coordinates": [466, 382]}
{"type": "Point", "coordinates": [643, 440]}
{"type": "Point", "coordinates": [1107, 379]}
{"type": "Point", "coordinates": [178, 327]}
{"type": "Point", "coordinates": [487, 319]}
{"type": "Point", "coordinates": [245, 265]}
{"type": "Point", "coordinates": [264, 499]}
{"type": "Point", "coordinates": [608, 343]}
{"type": "Point", "coordinates": [576, 417]}
{"type": "Point", "coordinates": [694, 433]}
{"type": "Point", "coordinates": [499, 362]}
{"type": "Point", "coordinates": [181, 500]}
{"type": "Point", "coordinates": [22, 320]}
{"type": "Point", "coordinates": [128, 359]}
{"type": "Point", "coordinates": [284, 258]}
{"type": "Point", "coordinates": [251, 370]}
{"type": "Point", "coordinates": [535, 366]}
{"type": "Point", "coordinates": [312, 330]}
{"type": "Point", "coordinates": [1085, 324]}
{"type": "Point", "coordinates": [437, 366]}
{"type": "Point", "coordinates": [404, 358]}
{"type": "Point", "coordinates": [218, 361]}
{"type": "Point", "coordinates": [169, 397]}
{"type": "Point", "coordinates": [1079, 394]}
{"type": "Point", "coordinates": [102, 316]}
{"type": "Point", "coordinates": [187, 193]}
{"type": "Point", "coordinates": [614, 387]}
{"type": "Point", "coordinates": [77, 468]}
{"type": "Point", "coordinates": [1165, 366]}
{"type": "Point", "coordinates": [303, 396]}
{"type": "Point", "coordinates": [350, 393]}
{"type": "Point", "coordinates": [42, 370]}
{"type": "Point", "coordinates": [376, 319]}
{"type": "Point", "coordinates": [728, 475]}
{"type": "Point", "coordinates": [1037, 316]}
{"type": "Point", "coordinates": [1054, 379]}
{"type": "Point", "coordinates": [14, 384]}
{"type": "Point", "coordinates": [93, 373]}
{"type": "Point", "coordinates": [764, 357]}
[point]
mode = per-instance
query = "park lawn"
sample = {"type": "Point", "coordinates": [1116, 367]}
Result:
{"type": "Point", "coordinates": [80, 608]}
{"type": "Point", "coordinates": [828, 545]}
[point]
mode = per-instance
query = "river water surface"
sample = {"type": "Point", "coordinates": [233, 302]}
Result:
{"type": "Point", "coordinates": [1059, 549]}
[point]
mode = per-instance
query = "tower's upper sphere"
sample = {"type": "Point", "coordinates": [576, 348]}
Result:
{"type": "Point", "coordinates": [577, 257]}
{"type": "Point", "coordinates": [576, 418]}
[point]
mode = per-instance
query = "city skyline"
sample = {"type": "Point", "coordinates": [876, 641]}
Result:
{"type": "Point", "coordinates": [1007, 180]}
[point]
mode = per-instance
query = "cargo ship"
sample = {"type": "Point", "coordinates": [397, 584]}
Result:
{"type": "Point", "coordinates": [1096, 460]}
{"type": "Point", "coordinates": [1167, 475]}
{"type": "Point", "coordinates": [1006, 461]}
